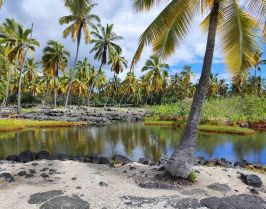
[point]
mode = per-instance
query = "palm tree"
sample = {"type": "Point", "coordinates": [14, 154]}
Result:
{"type": "Point", "coordinates": [78, 6]}
{"type": "Point", "coordinates": [55, 58]}
{"type": "Point", "coordinates": [79, 22]}
{"type": "Point", "coordinates": [129, 86]}
{"type": "Point", "coordinates": [257, 68]}
{"type": "Point", "coordinates": [104, 46]}
{"type": "Point", "coordinates": [157, 72]}
{"type": "Point", "coordinates": [186, 76]}
{"type": "Point", "coordinates": [7, 72]}
{"type": "Point", "coordinates": [20, 41]}
{"type": "Point", "coordinates": [118, 63]}
{"type": "Point", "coordinates": [1, 3]}
{"type": "Point", "coordinates": [238, 33]}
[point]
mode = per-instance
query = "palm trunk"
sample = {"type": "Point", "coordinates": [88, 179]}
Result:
{"type": "Point", "coordinates": [73, 73]}
{"type": "Point", "coordinates": [54, 91]}
{"type": "Point", "coordinates": [182, 160]}
{"type": "Point", "coordinates": [113, 79]}
{"type": "Point", "coordinates": [6, 91]}
{"type": "Point", "coordinates": [46, 95]}
{"type": "Point", "coordinates": [22, 62]}
{"type": "Point", "coordinates": [90, 88]}
{"type": "Point", "coordinates": [255, 80]}
{"type": "Point", "coordinates": [19, 88]}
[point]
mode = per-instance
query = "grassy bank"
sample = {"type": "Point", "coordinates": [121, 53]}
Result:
{"type": "Point", "coordinates": [14, 124]}
{"type": "Point", "coordinates": [235, 109]}
{"type": "Point", "coordinates": [203, 128]}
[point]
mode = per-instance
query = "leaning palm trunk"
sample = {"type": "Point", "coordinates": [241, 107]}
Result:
{"type": "Point", "coordinates": [3, 104]}
{"type": "Point", "coordinates": [182, 160]}
{"type": "Point", "coordinates": [73, 73]}
{"type": "Point", "coordinates": [123, 95]}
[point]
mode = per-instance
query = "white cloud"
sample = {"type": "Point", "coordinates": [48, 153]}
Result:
{"type": "Point", "coordinates": [45, 15]}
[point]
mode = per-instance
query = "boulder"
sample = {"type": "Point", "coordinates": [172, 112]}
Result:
{"type": "Point", "coordinates": [104, 160]}
{"type": "Point", "coordinates": [121, 159]}
{"type": "Point", "coordinates": [8, 177]}
{"type": "Point", "coordinates": [79, 158]}
{"type": "Point", "coordinates": [242, 201]}
{"type": "Point", "coordinates": [43, 155]}
{"type": "Point", "coordinates": [223, 162]}
{"type": "Point", "coordinates": [251, 180]}
{"type": "Point", "coordinates": [26, 156]}
{"type": "Point", "coordinates": [92, 159]}
{"type": "Point", "coordinates": [12, 158]}
{"type": "Point", "coordinates": [145, 161]}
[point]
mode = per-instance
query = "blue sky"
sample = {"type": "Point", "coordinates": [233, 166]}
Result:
{"type": "Point", "coordinates": [130, 25]}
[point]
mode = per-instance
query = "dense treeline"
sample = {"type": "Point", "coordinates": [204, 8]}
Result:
{"type": "Point", "coordinates": [52, 81]}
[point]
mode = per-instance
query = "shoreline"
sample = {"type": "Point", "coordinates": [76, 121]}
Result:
{"type": "Point", "coordinates": [47, 184]}
{"type": "Point", "coordinates": [220, 129]}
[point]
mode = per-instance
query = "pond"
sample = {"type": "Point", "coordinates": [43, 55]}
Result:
{"type": "Point", "coordinates": [133, 140]}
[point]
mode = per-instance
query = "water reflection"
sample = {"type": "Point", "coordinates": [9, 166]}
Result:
{"type": "Point", "coordinates": [134, 140]}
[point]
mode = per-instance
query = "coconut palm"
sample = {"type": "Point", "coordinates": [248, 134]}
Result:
{"type": "Point", "coordinates": [7, 72]}
{"type": "Point", "coordinates": [118, 63]}
{"type": "Point", "coordinates": [79, 22]}
{"type": "Point", "coordinates": [78, 6]}
{"type": "Point", "coordinates": [186, 75]}
{"type": "Point", "coordinates": [19, 40]}
{"type": "Point", "coordinates": [129, 86]}
{"type": "Point", "coordinates": [55, 58]}
{"type": "Point", "coordinates": [238, 33]}
{"type": "Point", "coordinates": [104, 46]}
{"type": "Point", "coordinates": [156, 73]}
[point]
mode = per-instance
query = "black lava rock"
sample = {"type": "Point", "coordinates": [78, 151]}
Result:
{"type": "Point", "coordinates": [43, 155]}
{"type": "Point", "coordinates": [121, 159]}
{"type": "Point", "coordinates": [251, 180]}
{"type": "Point", "coordinates": [8, 177]}
{"type": "Point", "coordinates": [12, 158]}
{"type": "Point", "coordinates": [104, 160]}
{"type": "Point", "coordinates": [145, 161]}
{"type": "Point", "coordinates": [26, 156]}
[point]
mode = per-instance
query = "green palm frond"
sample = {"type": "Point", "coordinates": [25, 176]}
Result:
{"type": "Point", "coordinates": [169, 29]}
{"type": "Point", "coordinates": [238, 33]}
{"type": "Point", "coordinates": [257, 8]}
{"type": "Point", "coordinates": [143, 5]}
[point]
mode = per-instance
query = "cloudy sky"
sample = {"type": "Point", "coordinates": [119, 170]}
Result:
{"type": "Point", "coordinates": [127, 23]}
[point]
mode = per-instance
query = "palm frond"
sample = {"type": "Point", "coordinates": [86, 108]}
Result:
{"type": "Point", "coordinates": [238, 32]}
{"type": "Point", "coordinates": [169, 29]}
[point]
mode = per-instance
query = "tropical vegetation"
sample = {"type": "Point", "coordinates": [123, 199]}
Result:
{"type": "Point", "coordinates": [55, 81]}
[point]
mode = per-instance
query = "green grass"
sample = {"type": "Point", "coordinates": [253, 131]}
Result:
{"type": "Point", "coordinates": [14, 124]}
{"type": "Point", "coordinates": [203, 128]}
{"type": "Point", "coordinates": [248, 108]}
{"type": "Point", "coordinates": [226, 129]}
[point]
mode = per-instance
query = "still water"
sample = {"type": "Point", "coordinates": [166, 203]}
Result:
{"type": "Point", "coordinates": [133, 140]}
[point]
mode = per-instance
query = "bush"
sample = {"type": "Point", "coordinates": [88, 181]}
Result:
{"type": "Point", "coordinates": [248, 108]}
{"type": "Point", "coordinates": [192, 177]}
